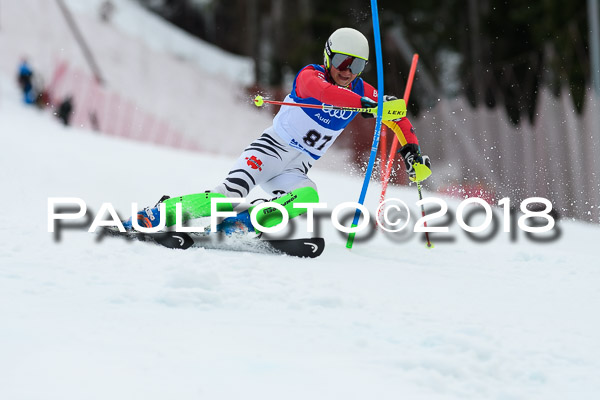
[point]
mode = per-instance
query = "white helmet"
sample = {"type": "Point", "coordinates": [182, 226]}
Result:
{"type": "Point", "coordinates": [350, 43]}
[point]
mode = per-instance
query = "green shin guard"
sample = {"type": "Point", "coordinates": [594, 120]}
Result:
{"type": "Point", "coordinates": [193, 206]}
{"type": "Point", "coordinates": [270, 216]}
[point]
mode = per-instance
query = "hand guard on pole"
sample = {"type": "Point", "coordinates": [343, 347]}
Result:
{"type": "Point", "coordinates": [418, 166]}
{"type": "Point", "coordinates": [393, 108]}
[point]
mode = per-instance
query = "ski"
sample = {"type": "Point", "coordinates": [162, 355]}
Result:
{"type": "Point", "coordinates": [306, 247]}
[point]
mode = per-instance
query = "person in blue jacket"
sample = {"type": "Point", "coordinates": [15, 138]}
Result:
{"type": "Point", "coordinates": [25, 79]}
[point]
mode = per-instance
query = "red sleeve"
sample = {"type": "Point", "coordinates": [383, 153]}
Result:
{"type": "Point", "coordinates": [313, 83]}
{"type": "Point", "coordinates": [404, 130]}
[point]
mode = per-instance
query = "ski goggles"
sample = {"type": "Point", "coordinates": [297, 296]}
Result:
{"type": "Point", "coordinates": [342, 62]}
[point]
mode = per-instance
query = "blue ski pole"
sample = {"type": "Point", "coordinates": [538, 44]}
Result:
{"type": "Point", "coordinates": [375, 144]}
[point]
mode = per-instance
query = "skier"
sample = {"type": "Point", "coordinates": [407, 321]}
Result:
{"type": "Point", "coordinates": [279, 160]}
{"type": "Point", "coordinates": [25, 80]}
{"type": "Point", "coordinates": [65, 110]}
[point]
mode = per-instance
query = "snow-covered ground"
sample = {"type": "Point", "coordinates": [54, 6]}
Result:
{"type": "Point", "coordinates": [387, 320]}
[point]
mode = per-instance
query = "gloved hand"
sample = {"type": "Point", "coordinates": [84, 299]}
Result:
{"type": "Point", "coordinates": [368, 103]}
{"type": "Point", "coordinates": [418, 166]}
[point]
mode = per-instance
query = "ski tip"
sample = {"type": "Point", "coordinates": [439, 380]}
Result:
{"type": "Point", "coordinates": [305, 248]}
{"type": "Point", "coordinates": [316, 245]}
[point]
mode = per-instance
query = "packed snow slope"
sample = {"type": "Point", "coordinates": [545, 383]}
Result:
{"type": "Point", "coordinates": [389, 319]}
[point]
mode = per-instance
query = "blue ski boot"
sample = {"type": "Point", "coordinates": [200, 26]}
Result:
{"type": "Point", "coordinates": [147, 218]}
{"type": "Point", "coordinates": [240, 224]}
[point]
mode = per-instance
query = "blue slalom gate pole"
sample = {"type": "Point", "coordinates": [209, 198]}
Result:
{"type": "Point", "coordinates": [375, 144]}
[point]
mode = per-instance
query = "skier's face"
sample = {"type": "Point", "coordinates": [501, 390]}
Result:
{"type": "Point", "coordinates": [342, 78]}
